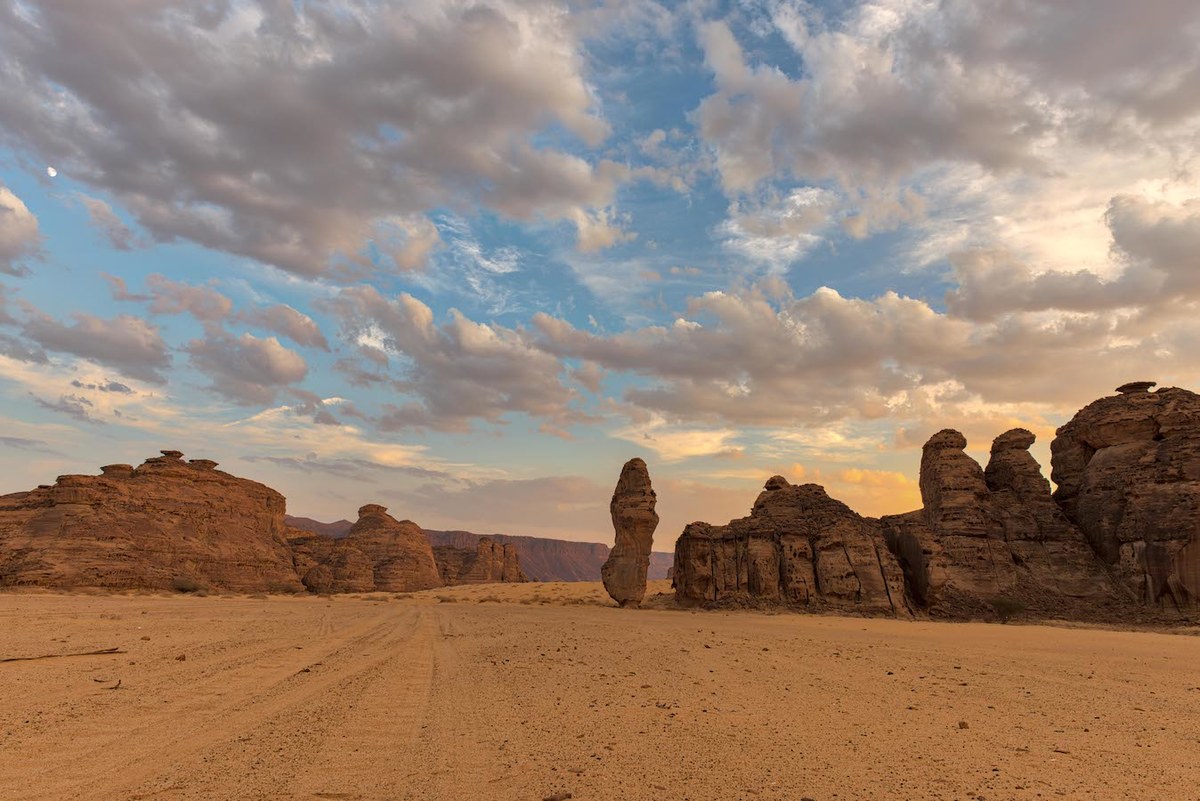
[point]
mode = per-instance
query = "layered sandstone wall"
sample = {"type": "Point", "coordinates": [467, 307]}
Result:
{"type": "Point", "coordinates": [799, 548]}
{"type": "Point", "coordinates": [164, 522]}
{"type": "Point", "coordinates": [1128, 474]}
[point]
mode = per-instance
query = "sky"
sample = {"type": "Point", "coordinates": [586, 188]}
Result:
{"type": "Point", "coordinates": [464, 259]}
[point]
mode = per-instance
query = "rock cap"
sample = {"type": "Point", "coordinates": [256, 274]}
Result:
{"type": "Point", "coordinates": [946, 439]}
{"type": "Point", "coordinates": [1017, 439]}
{"type": "Point", "coordinates": [1136, 386]}
{"type": "Point", "coordinates": [776, 483]}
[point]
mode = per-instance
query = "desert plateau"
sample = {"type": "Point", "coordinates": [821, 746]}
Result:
{"type": "Point", "coordinates": [533, 691]}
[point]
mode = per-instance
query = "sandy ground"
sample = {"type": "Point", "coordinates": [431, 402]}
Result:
{"type": "Point", "coordinates": [528, 692]}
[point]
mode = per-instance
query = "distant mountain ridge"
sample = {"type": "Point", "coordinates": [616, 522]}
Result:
{"type": "Point", "coordinates": [542, 559]}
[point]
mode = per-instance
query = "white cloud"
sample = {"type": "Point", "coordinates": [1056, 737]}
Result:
{"type": "Point", "coordinates": [365, 117]}
{"type": "Point", "coordinates": [20, 239]}
{"type": "Point", "coordinates": [246, 369]}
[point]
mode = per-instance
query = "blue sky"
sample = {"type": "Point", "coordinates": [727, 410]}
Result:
{"type": "Point", "coordinates": [466, 258]}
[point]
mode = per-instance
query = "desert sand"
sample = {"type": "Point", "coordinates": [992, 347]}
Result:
{"type": "Point", "coordinates": [534, 691]}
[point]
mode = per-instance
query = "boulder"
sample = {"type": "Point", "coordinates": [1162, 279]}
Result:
{"type": "Point", "coordinates": [160, 524]}
{"type": "Point", "coordinates": [634, 521]}
{"type": "Point", "coordinates": [798, 548]}
{"type": "Point", "coordinates": [1128, 474]}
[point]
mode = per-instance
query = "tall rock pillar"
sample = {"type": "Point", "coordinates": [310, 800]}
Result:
{"type": "Point", "coordinates": [634, 521]}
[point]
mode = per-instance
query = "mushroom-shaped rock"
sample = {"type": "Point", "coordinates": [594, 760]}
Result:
{"type": "Point", "coordinates": [1018, 439]}
{"type": "Point", "coordinates": [1136, 386]}
{"type": "Point", "coordinates": [172, 454]}
{"type": "Point", "coordinates": [634, 521]}
{"type": "Point", "coordinates": [117, 470]}
{"type": "Point", "coordinates": [203, 464]}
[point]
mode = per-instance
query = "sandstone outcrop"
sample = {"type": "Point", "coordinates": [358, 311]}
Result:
{"type": "Point", "coordinates": [1128, 474]}
{"type": "Point", "coordinates": [989, 534]}
{"type": "Point", "coordinates": [798, 547]}
{"type": "Point", "coordinates": [167, 522]}
{"type": "Point", "coordinates": [634, 521]}
{"type": "Point", "coordinates": [490, 562]}
{"type": "Point", "coordinates": [400, 555]}
{"type": "Point", "coordinates": [328, 565]}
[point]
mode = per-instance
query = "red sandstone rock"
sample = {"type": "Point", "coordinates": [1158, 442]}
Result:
{"type": "Point", "coordinates": [634, 520]}
{"type": "Point", "coordinates": [398, 550]}
{"type": "Point", "coordinates": [985, 535]}
{"type": "Point", "coordinates": [1128, 474]}
{"type": "Point", "coordinates": [490, 562]}
{"type": "Point", "coordinates": [149, 527]}
{"type": "Point", "coordinates": [798, 547]}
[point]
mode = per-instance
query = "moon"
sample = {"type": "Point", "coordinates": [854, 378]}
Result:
{"type": "Point", "coordinates": [51, 172]}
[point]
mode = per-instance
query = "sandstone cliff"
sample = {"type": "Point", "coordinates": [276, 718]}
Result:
{"type": "Point", "coordinates": [489, 562]}
{"type": "Point", "coordinates": [1128, 474]}
{"type": "Point", "coordinates": [798, 547]}
{"type": "Point", "coordinates": [165, 522]}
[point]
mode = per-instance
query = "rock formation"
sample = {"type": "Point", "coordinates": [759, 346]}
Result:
{"type": "Point", "coordinates": [490, 562]}
{"type": "Point", "coordinates": [328, 565]}
{"type": "Point", "coordinates": [1128, 474]}
{"type": "Point", "coordinates": [400, 555]}
{"type": "Point", "coordinates": [798, 547]}
{"type": "Point", "coordinates": [634, 520]}
{"type": "Point", "coordinates": [164, 523]}
{"type": "Point", "coordinates": [988, 534]}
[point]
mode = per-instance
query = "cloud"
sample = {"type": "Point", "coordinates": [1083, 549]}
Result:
{"type": "Point", "coordinates": [125, 343]}
{"type": "Point", "coordinates": [744, 358]}
{"type": "Point", "coordinates": [20, 239]}
{"type": "Point", "coordinates": [76, 407]}
{"type": "Point", "coordinates": [365, 114]}
{"type": "Point", "coordinates": [675, 443]}
{"type": "Point", "coordinates": [777, 230]}
{"type": "Point", "coordinates": [896, 86]}
{"type": "Point", "coordinates": [246, 369]}
{"type": "Point", "coordinates": [105, 386]}
{"type": "Point", "coordinates": [172, 297]}
{"type": "Point", "coordinates": [106, 221]}
{"type": "Point", "coordinates": [347, 467]}
{"type": "Point", "coordinates": [287, 322]}
{"type": "Point", "coordinates": [25, 444]}
{"type": "Point", "coordinates": [1162, 236]}
{"type": "Point", "coordinates": [456, 371]}
{"type": "Point", "coordinates": [1008, 126]}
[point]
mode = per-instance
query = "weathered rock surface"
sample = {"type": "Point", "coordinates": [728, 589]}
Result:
{"type": "Point", "coordinates": [994, 533]}
{"type": "Point", "coordinates": [148, 527]}
{"type": "Point", "coordinates": [798, 547]}
{"type": "Point", "coordinates": [490, 562]}
{"type": "Point", "coordinates": [328, 565]}
{"type": "Point", "coordinates": [400, 555]}
{"type": "Point", "coordinates": [1128, 474]}
{"type": "Point", "coordinates": [634, 521]}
